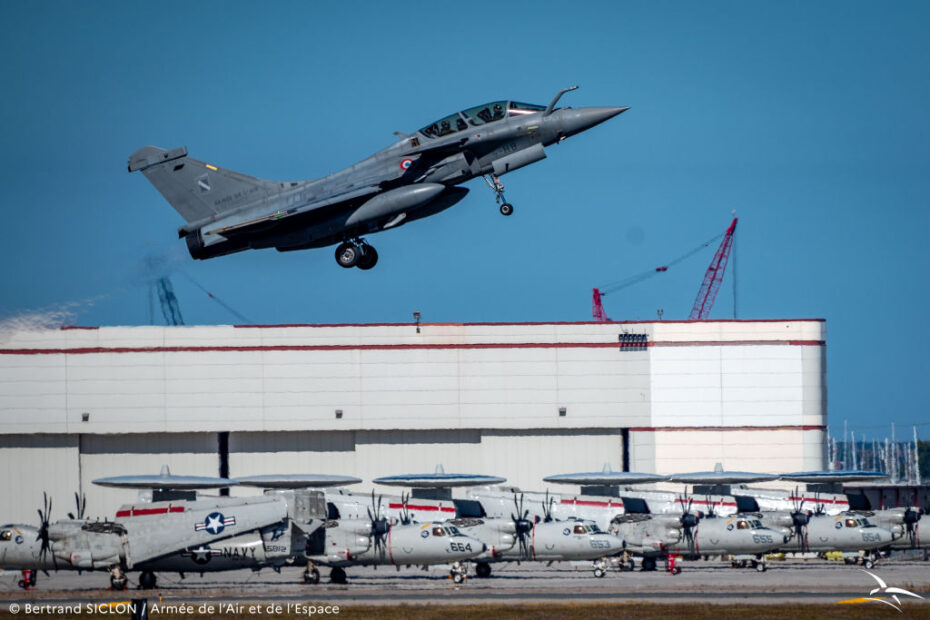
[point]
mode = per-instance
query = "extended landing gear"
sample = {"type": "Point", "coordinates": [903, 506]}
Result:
{"type": "Point", "coordinates": [147, 580]}
{"type": "Point", "coordinates": [356, 254]}
{"type": "Point", "coordinates": [337, 575]}
{"type": "Point", "coordinates": [28, 580]}
{"type": "Point", "coordinates": [459, 572]}
{"type": "Point", "coordinates": [482, 570]}
{"type": "Point", "coordinates": [497, 187]}
{"type": "Point", "coordinates": [311, 574]}
{"type": "Point", "coordinates": [600, 567]}
{"type": "Point", "coordinates": [648, 564]}
{"type": "Point", "coordinates": [118, 580]}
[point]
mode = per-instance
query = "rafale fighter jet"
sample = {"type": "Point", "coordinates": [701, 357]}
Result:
{"type": "Point", "coordinates": [417, 176]}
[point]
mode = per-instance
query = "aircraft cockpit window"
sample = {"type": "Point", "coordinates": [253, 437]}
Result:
{"type": "Point", "coordinates": [485, 113]}
{"type": "Point", "coordinates": [437, 531]}
{"type": "Point", "coordinates": [595, 528]}
{"type": "Point", "coordinates": [851, 523]}
{"type": "Point", "coordinates": [6, 535]}
{"type": "Point", "coordinates": [579, 529]}
{"type": "Point", "coordinates": [445, 126]}
{"type": "Point", "coordinates": [519, 109]}
{"type": "Point", "coordinates": [742, 525]}
{"type": "Point", "coordinates": [453, 531]}
{"type": "Point", "coordinates": [756, 524]}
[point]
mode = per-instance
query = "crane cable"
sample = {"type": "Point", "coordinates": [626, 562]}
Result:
{"type": "Point", "coordinates": [228, 308]}
{"type": "Point", "coordinates": [645, 275]}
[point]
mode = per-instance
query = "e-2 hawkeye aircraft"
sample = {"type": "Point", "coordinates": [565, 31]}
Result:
{"type": "Point", "coordinates": [417, 176]}
{"type": "Point", "coordinates": [350, 539]}
{"type": "Point", "coordinates": [306, 536]}
{"type": "Point", "coordinates": [812, 531]}
{"type": "Point", "coordinates": [140, 537]}
{"type": "Point", "coordinates": [508, 538]}
{"type": "Point", "coordinates": [646, 534]}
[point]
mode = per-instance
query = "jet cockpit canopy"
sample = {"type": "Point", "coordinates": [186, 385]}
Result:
{"type": "Point", "coordinates": [479, 115]}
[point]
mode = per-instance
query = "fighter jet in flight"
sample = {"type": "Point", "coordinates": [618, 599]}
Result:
{"type": "Point", "coordinates": [417, 176]}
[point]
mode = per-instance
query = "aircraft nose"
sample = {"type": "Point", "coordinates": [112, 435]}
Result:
{"type": "Point", "coordinates": [578, 120]}
{"type": "Point", "coordinates": [616, 544]}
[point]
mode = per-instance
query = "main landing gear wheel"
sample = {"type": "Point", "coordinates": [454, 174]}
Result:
{"type": "Point", "coordinates": [648, 564]}
{"type": "Point", "coordinates": [483, 570]}
{"type": "Point", "coordinates": [869, 563]}
{"type": "Point", "coordinates": [506, 209]}
{"type": "Point", "coordinates": [147, 580]}
{"type": "Point", "coordinates": [368, 259]}
{"type": "Point", "coordinates": [759, 566]}
{"type": "Point", "coordinates": [347, 254]}
{"type": "Point", "coordinates": [312, 576]}
{"type": "Point", "coordinates": [337, 575]}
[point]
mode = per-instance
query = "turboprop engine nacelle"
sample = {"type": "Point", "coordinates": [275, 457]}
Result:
{"type": "Point", "coordinates": [84, 549]}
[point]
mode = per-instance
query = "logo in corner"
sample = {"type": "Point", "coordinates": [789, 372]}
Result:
{"type": "Point", "coordinates": [884, 590]}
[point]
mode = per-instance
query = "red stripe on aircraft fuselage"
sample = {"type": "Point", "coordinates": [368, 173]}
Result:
{"type": "Point", "coordinates": [141, 512]}
{"type": "Point", "coordinates": [815, 500]}
{"type": "Point", "coordinates": [587, 502]}
{"type": "Point", "coordinates": [422, 507]}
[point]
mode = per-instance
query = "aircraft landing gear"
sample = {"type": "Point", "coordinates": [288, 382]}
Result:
{"type": "Point", "coordinates": [482, 570]}
{"type": "Point", "coordinates": [337, 575]}
{"type": "Point", "coordinates": [28, 580]}
{"type": "Point", "coordinates": [600, 567]}
{"type": "Point", "coordinates": [759, 565]}
{"type": "Point", "coordinates": [459, 572]}
{"type": "Point", "coordinates": [311, 574]}
{"type": "Point", "coordinates": [648, 564]}
{"type": "Point", "coordinates": [356, 253]}
{"type": "Point", "coordinates": [497, 187]}
{"type": "Point", "coordinates": [147, 580]}
{"type": "Point", "coordinates": [118, 579]}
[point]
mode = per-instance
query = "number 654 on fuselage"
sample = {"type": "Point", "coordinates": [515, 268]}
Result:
{"type": "Point", "coordinates": [417, 176]}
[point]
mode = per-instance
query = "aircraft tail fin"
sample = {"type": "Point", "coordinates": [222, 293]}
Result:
{"type": "Point", "coordinates": [198, 190]}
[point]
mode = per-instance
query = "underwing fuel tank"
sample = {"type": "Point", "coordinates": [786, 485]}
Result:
{"type": "Point", "coordinates": [395, 201]}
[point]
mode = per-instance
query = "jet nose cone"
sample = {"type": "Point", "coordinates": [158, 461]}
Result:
{"type": "Point", "coordinates": [578, 120]}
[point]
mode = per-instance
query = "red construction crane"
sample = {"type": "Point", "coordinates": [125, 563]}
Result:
{"type": "Point", "coordinates": [714, 276]}
{"type": "Point", "coordinates": [708, 289]}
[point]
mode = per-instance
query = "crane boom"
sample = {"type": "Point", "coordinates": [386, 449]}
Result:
{"type": "Point", "coordinates": [713, 276]}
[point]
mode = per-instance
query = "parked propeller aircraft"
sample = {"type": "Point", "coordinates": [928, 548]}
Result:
{"type": "Point", "coordinates": [417, 176]}
{"type": "Point", "coordinates": [351, 540]}
{"type": "Point", "coordinates": [140, 537]}
{"type": "Point", "coordinates": [509, 537]}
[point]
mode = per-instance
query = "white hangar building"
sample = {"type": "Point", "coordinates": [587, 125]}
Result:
{"type": "Point", "coordinates": [522, 401]}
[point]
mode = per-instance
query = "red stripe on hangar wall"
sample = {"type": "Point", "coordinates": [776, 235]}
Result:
{"type": "Point", "coordinates": [799, 427]}
{"type": "Point", "coordinates": [389, 347]}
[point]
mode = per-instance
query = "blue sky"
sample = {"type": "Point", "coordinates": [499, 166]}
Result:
{"type": "Point", "coordinates": [808, 119]}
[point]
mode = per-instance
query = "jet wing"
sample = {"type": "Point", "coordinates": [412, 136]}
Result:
{"type": "Point", "coordinates": [250, 221]}
{"type": "Point", "coordinates": [155, 530]}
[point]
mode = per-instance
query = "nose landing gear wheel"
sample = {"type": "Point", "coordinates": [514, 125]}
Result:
{"type": "Point", "coordinates": [312, 576]}
{"type": "Point", "coordinates": [347, 255]}
{"type": "Point", "coordinates": [506, 209]}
